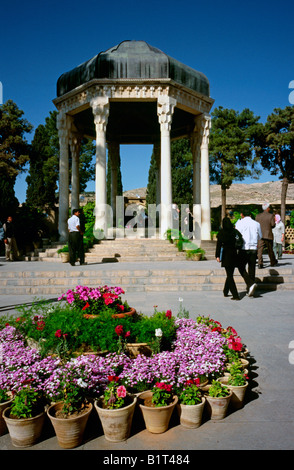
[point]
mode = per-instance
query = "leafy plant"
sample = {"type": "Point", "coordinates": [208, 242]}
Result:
{"type": "Point", "coordinates": [218, 390]}
{"type": "Point", "coordinates": [162, 394]}
{"type": "Point", "coordinates": [4, 395]}
{"type": "Point", "coordinates": [27, 403]}
{"type": "Point", "coordinates": [115, 395]}
{"type": "Point", "coordinates": [237, 379]}
{"type": "Point", "coordinates": [191, 394]}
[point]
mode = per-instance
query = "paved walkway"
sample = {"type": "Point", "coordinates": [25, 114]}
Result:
{"type": "Point", "coordinates": [266, 325]}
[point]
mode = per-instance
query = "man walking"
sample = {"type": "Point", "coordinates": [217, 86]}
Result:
{"type": "Point", "coordinates": [251, 233]}
{"type": "Point", "coordinates": [267, 222]}
{"type": "Point", "coordinates": [75, 238]}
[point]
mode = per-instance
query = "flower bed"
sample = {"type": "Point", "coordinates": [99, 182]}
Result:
{"type": "Point", "coordinates": [198, 349]}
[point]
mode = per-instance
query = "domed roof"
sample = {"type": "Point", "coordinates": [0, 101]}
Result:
{"type": "Point", "coordinates": [133, 60]}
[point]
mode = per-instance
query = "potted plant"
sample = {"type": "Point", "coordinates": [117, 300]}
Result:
{"type": "Point", "coordinates": [191, 404]}
{"type": "Point", "coordinates": [218, 399]}
{"type": "Point", "coordinates": [64, 254]}
{"type": "Point", "coordinates": [5, 401]}
{"type": "Point", "coordinates": [157, 406]}
{"type": "Point", "coordinates": [25, 417]}
{"type": "Point", "coordinates": [237, 382]}
{"type": "Point", "coordinates": [116, 409]}
{"type": "Point", "coordinates": [69, 415]}
{"type": "Point", "coordinates": [195, 255]}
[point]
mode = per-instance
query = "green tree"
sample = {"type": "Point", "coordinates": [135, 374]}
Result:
{"type": "Point", "coordinates": [182, 174]}
{"type": "Point", "coordinates": [44, 165]}
{"type": "Point", "coordinates": [232, 144]}
{"type": "Point", "coordinates": [14, 153]}
{"type": "Point", "coordinates": [276, 148]}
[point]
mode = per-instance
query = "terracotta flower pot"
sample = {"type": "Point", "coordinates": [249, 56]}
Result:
{"type": "Point", "coordinates": [238, 393]}
{"type": "Point", "coordinates": [3, 427]}
{"type": "Point", "coordinates": [191, 415]}
{"type": "Point", "coordinates": [69, 431]}
{"type": "Point", "coordinates": [134, 349]}
{"type": "Point", "coordinates": [218, 406]}
{"type": "Point", "coordinates": [116, 423]}
{"type": "Point", "coordinates": [156, 418]}
{"type": "Point", "coordinates": [131, 312]}
{"type": "Point", "coordinates": [24, 432]}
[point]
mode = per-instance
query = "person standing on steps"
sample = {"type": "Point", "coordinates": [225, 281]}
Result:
{"type": "Point", "coordinates": [226, 254]}
{"type": "Point", "coordinates": [267, 223]}
{"type": "Point", "coordinates": [251, 233]}
{"type": "Point", "coordinates": [10, 241]}
{"type": "Point", "coordinates": [75, 237]}
{"type": "Point", "coordinates": [279, 237]}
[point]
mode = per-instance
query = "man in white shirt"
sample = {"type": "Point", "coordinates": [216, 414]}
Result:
{"type": "Point", "coordinates": [251, 233]}
{"type": "Point", "coordinates": [75, 238]}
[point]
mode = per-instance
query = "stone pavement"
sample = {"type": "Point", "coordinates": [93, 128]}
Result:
{"type": "Point", "coordinates": [265, 324]}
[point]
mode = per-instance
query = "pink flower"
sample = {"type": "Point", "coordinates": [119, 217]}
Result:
{"type": "Point", "coordinates": [121, 391]}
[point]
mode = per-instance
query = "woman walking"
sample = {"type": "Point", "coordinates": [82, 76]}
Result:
{"type": "Point", "coordinates": [226, 253]}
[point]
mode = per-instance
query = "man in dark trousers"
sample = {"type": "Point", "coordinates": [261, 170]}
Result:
{"type": "Point", "coordinates": [267, 222]}
{"type": "Point", "coordinates": [11, 249]}
{"type": "Point", "coordinates": [75, 238]}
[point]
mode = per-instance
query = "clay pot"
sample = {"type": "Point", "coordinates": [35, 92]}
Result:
{"type": "Point", "coordinates": [134, 349]}
{"type": "Point", "coordinates": [124, 314]}
{"type": "Point", "coordinates": [191, 415]}
{"type": "Point", "coordinates": [238, 393]}
{"type": "Point", "coordinates": [218, 406]}
{"type": "Point", "coordinates": [69, 431]}
{"type": "Point", "coordinates": [3, 427]}
{"type": "Point", "coordinates": [116, 423]}
{"type": "Point", "coordinates": [156, 418]}
{"type": "Point", "coordinates": [24, 432]}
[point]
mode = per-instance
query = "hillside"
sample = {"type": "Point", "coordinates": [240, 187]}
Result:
{"type": "Point", "coordinates": [255, 193]}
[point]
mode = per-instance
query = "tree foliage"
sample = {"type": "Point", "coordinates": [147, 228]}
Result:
{"type": "Point", "coordinates": [182, 174]}
{"type": "Point", "coordinates": [231, 147]}
{"type": "Point", "coordinates": [276, 148]}
{"type": "Point", "coordinates": [44, 164]}
{"type": "Point", "coordinates": [14, 153]}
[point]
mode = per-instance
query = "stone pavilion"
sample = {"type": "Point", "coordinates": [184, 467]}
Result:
{"type": "Point", "coordinates": [133, 93]}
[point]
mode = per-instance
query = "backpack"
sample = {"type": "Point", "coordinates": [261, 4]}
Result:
{"type": "Point", "coordinates": [238, 240]}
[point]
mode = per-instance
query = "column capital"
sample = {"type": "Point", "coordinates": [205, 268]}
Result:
{"type": "Point", "coordinates": [100, 108]}
{"type": "Point", "coordinates": [165, 109]}
{"type": "Point", "coordinates": [202, 127]}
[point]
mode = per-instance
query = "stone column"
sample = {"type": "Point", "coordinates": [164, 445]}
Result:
{"type": "Point", "coordinates": [100, 108]}
{"type": "Point", "coordinates": [113, 155]}
{"type": "Point", "coordinates": [205, 185]}
{"type": "Point", "coordinates": [165, 110]}
{"type": "Point", "coordinates": [156, 150]}
{"type": "Point", "coordinates": [74, 143]}
{"type": "Point", "coordinates": [195, 148]}
{"type": "Point", "coordinates": [63, 134]}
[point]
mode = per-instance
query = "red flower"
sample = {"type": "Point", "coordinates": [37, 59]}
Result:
{"type": "Point", "coordinates": [86, 306]}
{"type": "Point", "coordinates": [58, 333]}
{"type": "Point", "coordinates": [127, 334]}
{"type": "Point", "coordinates": [119, 329]}
{"type": "Point", "coordinates": [113, 378]}
{"type": "Point", "coordinates": [121, 307]}
{"type": "Point", "coordinates": [164, 386]}
{"type": "Point", "coordinates": [168, 314]}
{"type": "Point", "coordinates": [40, 325]}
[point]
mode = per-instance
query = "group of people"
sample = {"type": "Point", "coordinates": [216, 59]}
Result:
{"type": "Point", "coordinates": [7, 234]}
{"type": "Point", "coordinates": [242, 245]}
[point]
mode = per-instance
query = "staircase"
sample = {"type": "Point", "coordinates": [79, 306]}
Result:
{"type": "Point", "coordinates": [128, 250]}
{"type": "Point", "coordinates": [138, 277]}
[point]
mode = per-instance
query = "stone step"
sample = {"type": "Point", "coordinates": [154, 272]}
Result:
{"type": "Point", "coordinates": [136, 280]}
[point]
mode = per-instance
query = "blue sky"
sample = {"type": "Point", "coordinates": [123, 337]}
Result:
{"type": "Point", "coordinates": [244, 48]}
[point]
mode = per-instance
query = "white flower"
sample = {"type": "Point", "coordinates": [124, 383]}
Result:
{"type": "Point", "coordinates": [158, 332]}
{"type": "Point", "coordinates": [81, 383]}
{"type": "Point", "coordinates": [180, 299]}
